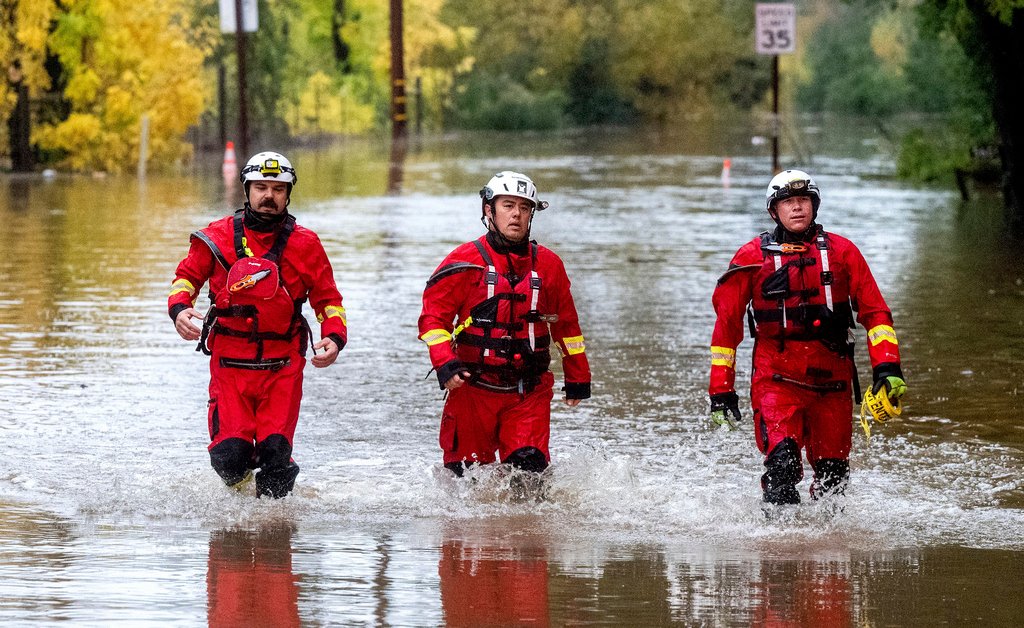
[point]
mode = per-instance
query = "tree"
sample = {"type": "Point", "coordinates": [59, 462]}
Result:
{"type": "Point", "coordinates": [24, 29]}
{"type": "Point", "coordinates": [856, 62]}
{"type": "Point", "coordinates": [671, 60]}
{"type": "Point", "coordinates": [994, 36]}
{"type": "Point", "coordinates": [125, 59]}
{"type": "Point", "coordinates": [605, 60]}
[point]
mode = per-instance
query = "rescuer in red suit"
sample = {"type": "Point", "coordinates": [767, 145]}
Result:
{"type": "Point", "coordinates": [261, 267]}
{"type": "Point", "coordinates": [491, 312]}
{"type": "Point", "coordinates": [800, 288]}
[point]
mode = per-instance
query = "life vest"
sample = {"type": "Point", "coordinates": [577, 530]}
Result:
{"type": "Point", "coordinates": [797, 296]}
{"type": "Point", "coordinates": [505, 340]}
{"type": "Point", "coordinates": [253, 304]}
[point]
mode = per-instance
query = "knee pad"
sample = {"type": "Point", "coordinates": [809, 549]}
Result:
{"type": "Point", "coordinates": [231, 459]}
{"type": "Point", "coordinates": [273, 452]}
{"type": "Point", "coordinates": [830, 476]}
{"type": "Point", "coordinates": [527, 459]}
{"type": "Point", "coordinates": [783, 471]}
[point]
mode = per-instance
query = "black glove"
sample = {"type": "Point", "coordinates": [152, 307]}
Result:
{"type": "Point", "coordinates": [725, 409]}
{"type": "Point", "coordinates": [889, 375]}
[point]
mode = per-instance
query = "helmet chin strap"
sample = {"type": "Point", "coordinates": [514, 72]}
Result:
{"type": "Point", "coordinates": [488, 222]}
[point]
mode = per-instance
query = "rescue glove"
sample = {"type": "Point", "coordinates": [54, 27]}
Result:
{"type": "Point", "coordinates": [725, 409]}
{"type": "Point", "coordinates": [894, 386]}
{"type": "Point", "coordinates": [882, 402]}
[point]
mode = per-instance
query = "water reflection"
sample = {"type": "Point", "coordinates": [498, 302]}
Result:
{"type": "Point", "coordinates": [35, 560]}
{"type": "Point", "coordinates": [802, 593]}
{"type": "Point", "coordinates": [396, 165]}
{"type": "Point", "coordinates": [249, 581]}
{"type": "Point", "coordinates": [493, 584]}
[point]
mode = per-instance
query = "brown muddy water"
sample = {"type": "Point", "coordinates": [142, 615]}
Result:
{"type": "Point", "coordinates": [109, 511]}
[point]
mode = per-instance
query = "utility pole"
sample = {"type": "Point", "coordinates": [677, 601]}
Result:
{"type": "Point", "coordinates": [243, 116]}
{"type": "Point", "coordinates": [398, 114]}
{"type": "Point", "coordinates": [775, 114]}
{"type": "Point", "coordinates": [222, 127]}
{"type": "Point", "coordinates": [775, 34]}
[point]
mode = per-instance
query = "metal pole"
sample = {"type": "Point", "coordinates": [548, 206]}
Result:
{"type": "Point", "coordinates": [775, 114]}
{"type": "Point", "coordinates": [398, 115]}
{"type": "Point", "coordinates": [143, 145]}
{"type": "Point", "coordinates": [419, 104]}
{"type": "Point", "coordinates": [222, 127]}
{"type": "Point", "coordinates": [243, 117]}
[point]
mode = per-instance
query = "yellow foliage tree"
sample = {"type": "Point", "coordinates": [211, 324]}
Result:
{"type": "Point", "coordinates": [890, 40]}
{"type": "Point", "coordinates": [327, 106]}
{"type": "Point", "coordinates": [24, 27]}
{"type": "Point", "coordinates": [321, 99]}
{"type": "Point", "coordinates": [126, 59]}
{"type": "Point", "coordinates": [435, 53]}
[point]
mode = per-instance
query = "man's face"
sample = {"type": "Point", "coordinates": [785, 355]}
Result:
{"type": "Point", "coordinates": [511, 217]}
{"type": "Point", "coordinates": [795, 213]}
{"type": "Point", "coordinates": [268, 197]}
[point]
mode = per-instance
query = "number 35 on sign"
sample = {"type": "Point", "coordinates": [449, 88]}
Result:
{"type": "Point", "coordinates": [775, 28]}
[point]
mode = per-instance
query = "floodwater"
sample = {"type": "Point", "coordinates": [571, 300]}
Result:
{"type": "Point", "coordinates": [109, 511]}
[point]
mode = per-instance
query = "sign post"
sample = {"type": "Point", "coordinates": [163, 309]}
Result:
{"type": "Point", "coordinates": [775, 34]}
{"type": "Point", "coordinates": [240, 17]}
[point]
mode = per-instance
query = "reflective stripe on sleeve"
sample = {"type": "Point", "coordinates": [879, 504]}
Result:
{"type": "Point", "coordinates": [882, 333]}
{"type": "Point", "coordinates": [723, 356]}
{"type": "Point", "coordinates": [574, 345]}
{"type": "Point", "coordinates": [333, 311]}
{"type": "Point", "coordinates": [182, 285]}
{"type": "Point", "coordinates": [435, 337]}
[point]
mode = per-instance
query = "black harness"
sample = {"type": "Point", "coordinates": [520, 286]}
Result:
{"type": "Point", "coordinates": [525, 359]}
{"type": "Point", "coordinates": [299, 323]}
{"type": "Point", "coordinates": [829, 323]}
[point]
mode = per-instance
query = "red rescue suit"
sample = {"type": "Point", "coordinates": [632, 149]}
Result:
{"type": "Point", "coordinates": [508, 307]}
{"type": "Point", "coordinates": [800, 299]}
{"type": "Point", "coordinates": [254, 331]}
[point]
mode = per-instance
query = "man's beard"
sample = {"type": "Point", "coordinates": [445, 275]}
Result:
{"type": "Point", "coordinates": [264, 220]}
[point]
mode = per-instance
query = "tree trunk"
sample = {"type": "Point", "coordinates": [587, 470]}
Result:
{"type": "Point", "coordinates": [19, 127]}
{"type": "Point", "coordinates": [1004, 50]}
{"type": "Point", "coordinates": [341, 49]}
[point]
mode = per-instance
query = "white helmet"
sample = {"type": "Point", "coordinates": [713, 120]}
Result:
{"type": "Point", "coordinates": [792, 183]}
{"type": "Point", "coordinates": [508, 183]}
{"type": "Point", "coordinates": [268, 166]}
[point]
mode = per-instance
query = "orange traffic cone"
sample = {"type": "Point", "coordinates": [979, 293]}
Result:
{"type": "Point", "coordinates": [230, 167]}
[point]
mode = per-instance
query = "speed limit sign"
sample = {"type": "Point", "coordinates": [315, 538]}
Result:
{"type": "Point", "coordinates": [775, 28]}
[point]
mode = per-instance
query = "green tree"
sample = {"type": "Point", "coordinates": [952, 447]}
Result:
{"type": "Point", "coordinates": [846, 76]}
{"type": "Point", "coordinates": [672, 60]}
{"type": "Point", "coordinates": [991, 32]}
{"type": "Point", "coordinates": [605, 60]}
